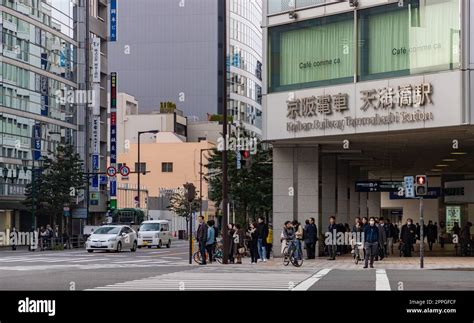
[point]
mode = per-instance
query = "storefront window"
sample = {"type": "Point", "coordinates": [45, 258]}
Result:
{"type": "Point", "coordinates": [421, 37]}
{"type": "Point", "coordinates": [312, 53]}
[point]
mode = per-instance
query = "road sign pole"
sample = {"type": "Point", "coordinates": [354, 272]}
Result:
{"type": "Point", "coordinates": [422, 238]}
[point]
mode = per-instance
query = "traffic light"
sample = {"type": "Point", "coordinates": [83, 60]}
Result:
{"type": "Point", "coordinates": [421, 185]}
{"type": "Point", "coordinates": [245, 160]}
{"type": "Point", "coordinates": [190, 191]}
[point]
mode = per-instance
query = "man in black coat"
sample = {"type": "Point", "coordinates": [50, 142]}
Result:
{"type": "Point", "coordinates": [310, 238]}
{"type": "Point", "coordinates": [262, 234]}
{"type": "Point", "coordinates": [201, 237]}
{"type": "Point", "coordinates": [332, 234]}
{"type": "Point", "coordinates": [408, 237]}
{"type": "Point", "coordinates": [431, 234]}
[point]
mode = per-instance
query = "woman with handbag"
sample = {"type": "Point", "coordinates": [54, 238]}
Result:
{"type": "Point", "coordinates": [239, 243]}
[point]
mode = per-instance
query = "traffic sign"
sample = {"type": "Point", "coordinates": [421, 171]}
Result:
{"type": "Point", "coordinates": [125, 171]}
{"type": "Point", "coordinates": [378, 186]}
{"type": "Point", "coordinates": [111, 171]}
{"type": "Point", "coordinates": [409, 184]}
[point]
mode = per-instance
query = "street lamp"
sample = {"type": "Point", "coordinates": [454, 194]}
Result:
{"type": "Point", "coordinates": [139, 168]}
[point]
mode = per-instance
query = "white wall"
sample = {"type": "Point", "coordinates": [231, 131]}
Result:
{"type": "Point", "coordinates": [411, 208]}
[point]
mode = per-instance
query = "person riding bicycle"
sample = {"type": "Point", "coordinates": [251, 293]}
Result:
{"type": "Point", "coordinates": [289, 234]}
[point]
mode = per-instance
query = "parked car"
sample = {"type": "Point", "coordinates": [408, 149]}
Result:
{"type": "Point", "coordinates": [154, 233]}
{"type": "Point", "coordinates": [112, 238]}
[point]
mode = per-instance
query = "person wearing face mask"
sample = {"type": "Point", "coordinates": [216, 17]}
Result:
{"type": "Point", "coordinates": [371, 238]}
{"type": "Point", "coordinates": [407, 237]}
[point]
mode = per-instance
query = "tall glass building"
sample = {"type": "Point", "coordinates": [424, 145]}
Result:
{"type": "Point", "coordinates": [171, 52]}
{"type": "Point", "coordinates": [40, 73]}
{"type": "Point", "coordinates": [245, 55]}
{"type": "Point", "coordinates": [38, 65]}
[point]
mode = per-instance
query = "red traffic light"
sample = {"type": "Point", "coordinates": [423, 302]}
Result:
{"type": "Point", "coordinates": [421, 180]}
{"type": "Point", "coordinates": [246, 154]}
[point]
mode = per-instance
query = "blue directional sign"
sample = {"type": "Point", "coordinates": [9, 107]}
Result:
{"type": "Point", "coordinates": [113, 20]}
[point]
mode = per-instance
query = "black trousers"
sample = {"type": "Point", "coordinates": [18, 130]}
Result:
{"type": "Point", "coordinates": [311, 250]}
{"type": "Point", "coordinates": [254, 252]}
{"type": "Point", "coordinates": [210, 251]}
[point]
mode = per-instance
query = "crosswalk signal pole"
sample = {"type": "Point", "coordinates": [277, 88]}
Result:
{"type": "Point", "coordinates": [422, 238]}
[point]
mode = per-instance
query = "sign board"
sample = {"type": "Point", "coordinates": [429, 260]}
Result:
{"type": "Point", "coordinates": [377, 186]}
{"type": "Point", "coordinates": [80, 213]}
{"type": "Point", "coordinates": [409, 185]}
{"type": "Point", "coordinates": [453, 215]}
{"type": "Point", "coordinates": [113, 188]}
{"type": "Point", "coordinates": [95, 46]}
{"type": "Point", "coordinates": [125, 171]}
{"type": "Point", "coordinates": [113, 20]}
{"type": "Point", "coordinates": [113, 131]}
{"type": "Point", "coordinates": [111, 171]}
{"type": "Point", "coordinates": [239, 159]}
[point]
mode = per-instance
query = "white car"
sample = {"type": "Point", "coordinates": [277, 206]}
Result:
{"type": "Point", "coordinates": [112, 238]}
{"type": "Point", "coordinates": [154, 233]}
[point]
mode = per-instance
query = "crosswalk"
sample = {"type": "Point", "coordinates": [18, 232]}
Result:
{"type": "Point", "coordinates": [79, 259]}
{"type": "Point", "coordinates": [241, 279]}
{"type": "Point", "coordinates": [202, 281]}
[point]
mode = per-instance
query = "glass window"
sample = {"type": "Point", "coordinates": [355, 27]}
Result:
{"type": "Point", "coordinates": [422, 36]}
{"type": "Point", "coordinates": [311, 53]}
{"type": "Point", "coordinates": [166, 167]}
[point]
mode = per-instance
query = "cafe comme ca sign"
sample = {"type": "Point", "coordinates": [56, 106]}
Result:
{"type": "Point", "coordinates": [391, 106]}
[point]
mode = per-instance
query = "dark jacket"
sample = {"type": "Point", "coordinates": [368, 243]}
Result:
{"type": "Point", "coordinates": [382, 234]}
{"type": "Point", "coordinates": [289, 234]}
{"type": "Point", "coordinates": [201, 234]}
{"type": "Point", "coordinates": [262, 231]}
{"type": "Point", "coordinates": [371, 233]}
{"type": "Point", "coordinates": [408, 234]}
{"type": "Point", "coordinates": [431, 232]}
{"type": "Point", "coordinates": [310, 233]}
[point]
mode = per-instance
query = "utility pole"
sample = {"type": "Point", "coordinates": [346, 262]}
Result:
{"type": "Point", "coordinates": [87, 121]}
{"type": "Point", "coordinates": [225, 219]}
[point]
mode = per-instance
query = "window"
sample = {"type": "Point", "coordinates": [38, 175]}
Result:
{"type": "Point", "coordinates": [312, 53]}
{"type": "Point", "coordinates": [142, 168]}
{"type": "Point", "coordinates": [166, 167]}
{"type": "Point", "coordinates": [94, 8]}
{"type": "Point", "coordinates": [422, 36]}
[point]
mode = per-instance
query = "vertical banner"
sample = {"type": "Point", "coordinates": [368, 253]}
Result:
{"type": "Point", "coordinates": [95, 152]}
{"type": "Point", "coordinates": [95, 46]}
{"type": "Point", "coordinates": [37, 141]}
{"type": "Point", "coordinates": [113, 137]}
{"type": "Point", "coordinates": [44, 89]}
{"type": "Point", "coordinates": [113, 20]}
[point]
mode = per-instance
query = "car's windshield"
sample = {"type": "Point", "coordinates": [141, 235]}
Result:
{"type": "Point", "coordinates": [150, 227]}
{"type": "Point", "coordinates": [107, 230]}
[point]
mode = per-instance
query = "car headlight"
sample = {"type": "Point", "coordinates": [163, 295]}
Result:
{"type": "Point", "coordinates": [157, 235]}
{"type": "Point", "coordinates": [88, 238]}
{"type": "Point", "coordinates": [139, 235]}
{"type": "Point", "coordinates": [112, 239]}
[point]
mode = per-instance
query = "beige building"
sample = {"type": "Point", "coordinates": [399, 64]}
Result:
{"type": "Point", "coordinates": [171, 162]}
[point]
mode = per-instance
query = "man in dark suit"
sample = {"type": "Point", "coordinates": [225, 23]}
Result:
{"type": "Point", "coordinates": [201, 237]}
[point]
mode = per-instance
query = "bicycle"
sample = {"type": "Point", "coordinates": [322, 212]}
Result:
{"type": "Point", "coordinates": [218, 255]}
{"type": "Point", "coordinates": [289, 255]}
{"type": "Point", "coordinates": [356, 252]}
